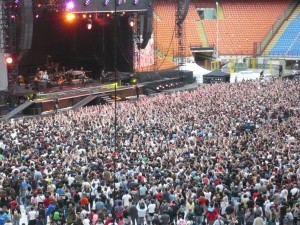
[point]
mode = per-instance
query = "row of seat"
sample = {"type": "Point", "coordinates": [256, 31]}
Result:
{"type": "Point", "coordinates": [245, 23]}
{"type": "Point", "coordinates": [289, 42]}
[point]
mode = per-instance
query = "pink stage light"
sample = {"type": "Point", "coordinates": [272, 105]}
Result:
{"type": "Point", "coordinates": [70, 6]}
{"type": "Point", "coordinates": [106, 2]}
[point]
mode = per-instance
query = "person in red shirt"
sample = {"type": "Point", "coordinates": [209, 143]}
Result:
{"type": "Point", "coordinates": [202, 200]}
{"type": "Point", "coordinates": [159, 194]}
{"type": "Point", "coordinates": [108, 220]}
{"type": "Point", "coordinates": [211, 214]}
{"type": "Point", "coordinates": [47, 201]}
{"type": "Point", "coordinates": [13, 203]}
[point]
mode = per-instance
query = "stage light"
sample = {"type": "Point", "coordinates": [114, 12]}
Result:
{"type": "Point", "coordinates": [108, 15]}
{"type": "Point", "coordinates": [89, 24]}
{"type": "Point", "coordinates": [135, 2]}
{"type": "Point", "coordinates": [70, 17]}
{"type": "Point", "coordinates": [131, 23]}
{"type": "Point", "coordinates": [70, 6]}
{"type": "Point", "coordinates": [87, 2]}
{"type": "Point", "coordinates": [106, 2]}
{"type": "Point", "coordinates": [9, 60]}
{"type": "Point", "coordinates": [84, 16]}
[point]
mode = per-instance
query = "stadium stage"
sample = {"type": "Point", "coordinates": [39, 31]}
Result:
{"type": "Point", "coordinates": [69, 98]}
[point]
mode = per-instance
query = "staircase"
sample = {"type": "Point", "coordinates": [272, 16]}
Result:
{"type": "Point", "coordinates": [201, 31]}
{"type": "Point", "coordinates": [293, 43]}
{"type": "Point", "coordinates": [84, 102]}
{"type": "Point", "coordinates": [156, 17]}
{"type": "Point", "coordinates": [220, 12]}
{"type": "Point", "coordinates": [107, 99]}
{"type": "Point", "coordinates": [276, 37]}
{"type": "Point", "coordinates": [17, 110]}
{"type": "Point", "coordinates": [293, 5]}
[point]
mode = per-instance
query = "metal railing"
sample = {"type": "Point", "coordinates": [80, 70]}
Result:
{"type": "Point", "coordinates": [260, 47]}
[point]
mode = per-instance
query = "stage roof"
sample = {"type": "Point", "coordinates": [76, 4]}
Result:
{"type": "Point", "coordinates": [94, 6]}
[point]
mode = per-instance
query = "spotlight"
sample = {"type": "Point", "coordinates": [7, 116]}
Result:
{"type": "Point", "coordinates": [87, 2]}
{"type": "Point", "coordinates": [70, 6]}
{"type": "Point", "coordinates": [89, 24]}
{"type": "Point", "coordinates": [70, 17]}
{"type": "Point", "coordinates": [131, 23]}
{"type": "Point", "coordinates": [9, 60]}
{"type": "Point", "coordinates": [84, 16]}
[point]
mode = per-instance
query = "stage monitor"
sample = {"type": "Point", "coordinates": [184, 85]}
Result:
{"type": "Point", "coordinates": [93, 6]}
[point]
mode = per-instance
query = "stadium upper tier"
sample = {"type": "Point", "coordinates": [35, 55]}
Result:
{"type": "Point", "coordinates": [242, 24]}
{"type": "Point", "coordinates": [289, 42]}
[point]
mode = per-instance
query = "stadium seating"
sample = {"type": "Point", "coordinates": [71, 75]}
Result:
{"type": "Point", "coordinates": [245, 23]}
{"type": "Point", "coordinates": [289, 42]}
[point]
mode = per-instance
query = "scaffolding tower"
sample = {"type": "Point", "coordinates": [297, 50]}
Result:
{"type": "Point", "coordinates": [8, 26]}
{"type": "Point", "coordinates": [180, 35]}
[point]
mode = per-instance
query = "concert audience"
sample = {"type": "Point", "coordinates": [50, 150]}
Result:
{"type": "Point", "coordinates": [221, 154]}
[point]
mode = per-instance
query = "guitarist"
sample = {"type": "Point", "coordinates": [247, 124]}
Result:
{"type": "Point", "coordinates": [60, 82]}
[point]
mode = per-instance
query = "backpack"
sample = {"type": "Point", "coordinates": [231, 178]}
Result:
{"type": "Point", "coordinates": [56, 215]}
{"type": "Point", "coordinates": [182, 208]}
{"type": "Point", "coordinates": [165, 208]}
{"type": "Point", "coordinates": [198, 210]}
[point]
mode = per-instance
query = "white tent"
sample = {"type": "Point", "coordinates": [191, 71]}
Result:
{"type": "Point", "coordinates": [198, 71]}
{"type": "Point", "coordinates": [243, 75]}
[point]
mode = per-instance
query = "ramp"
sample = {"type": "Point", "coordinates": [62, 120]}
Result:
{"type": "Point", "coordinates": [84, 101]}
{"type": "Point", "coordinates": [20, 108]}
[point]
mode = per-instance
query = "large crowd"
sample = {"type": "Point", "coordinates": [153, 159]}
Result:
{"type": "Point", "coordinates": [220, 154]}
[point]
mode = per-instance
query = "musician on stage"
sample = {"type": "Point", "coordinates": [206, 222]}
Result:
{"type": "Point", "coordinates": [60, 82]}
{"type": "Point", "coordinates": [45, 75]}
{"type": "Point", "coordinates": [102, 75]}
{"type": "Point", "coordinates": [36, 82]}
{"type": "Point", "coordinates": [83, 80]}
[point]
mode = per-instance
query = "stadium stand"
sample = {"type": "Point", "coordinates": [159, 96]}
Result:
{"type": "Point", "coordinates": [245, 23]}
{"type": "Point", "coordinates": [288, 44]}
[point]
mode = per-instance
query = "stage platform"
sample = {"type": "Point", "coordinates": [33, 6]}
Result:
{"type": "Point", "coordinates": [70, 98]}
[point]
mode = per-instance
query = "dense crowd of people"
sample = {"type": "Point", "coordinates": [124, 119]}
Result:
{"type": "Point", "coordinates": [220, 154]}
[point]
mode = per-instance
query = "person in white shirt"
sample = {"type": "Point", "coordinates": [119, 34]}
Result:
{"type": "Point", "coordinates": [142, 209]}
{"type": "Point", "coordinates": [70, 180]}
{"type": "Point", "coordinates": [86, 221]}
{"type": "Point", "coordinates": [294, 191]}
{"type": "Point", "coordinates": [151, 208]}
{"type": "Point", "coordinates": [284, 192]}
{"type": "Point", "coordinates": [32, 216]}
{"type": "Point", "coordinates": [126, 198]}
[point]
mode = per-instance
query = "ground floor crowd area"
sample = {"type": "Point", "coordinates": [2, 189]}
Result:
{"type": "Point", "coordinates": [221, 154]}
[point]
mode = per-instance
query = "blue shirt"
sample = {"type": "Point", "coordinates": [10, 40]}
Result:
{"type": "Point", "coordinates": [50, 209]}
